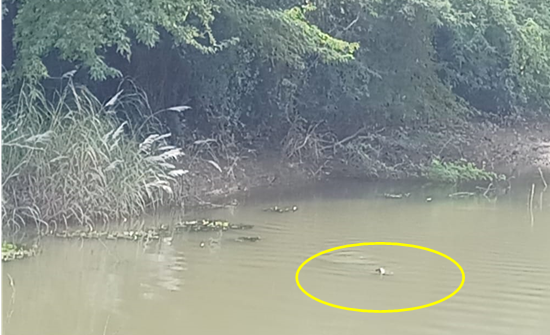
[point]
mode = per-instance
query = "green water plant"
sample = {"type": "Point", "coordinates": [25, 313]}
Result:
{"type": "Point", "coordinates": [12, 251]}
{"type": "Point", "coordinates": [459, 172]}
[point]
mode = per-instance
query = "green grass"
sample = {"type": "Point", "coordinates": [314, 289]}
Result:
{"type": "Point", "coordinates": [70, 162]}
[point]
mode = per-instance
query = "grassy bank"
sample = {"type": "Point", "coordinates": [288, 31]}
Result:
{"type": "Point", "coordinates": [69, 162]}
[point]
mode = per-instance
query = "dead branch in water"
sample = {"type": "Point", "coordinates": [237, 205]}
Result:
{"type": "Point", "coordinates": [531, 204]}
{"type": "Point", "coordinates": [543, 180]}
{"type": "Point", "coordinates": [487, 190]}
{"type": "Point", "coordinates": [106, 324]}
{"type": "Point", "coordinates": [543, 190]}
{"type": "Point", "coordinates": [12, 300]}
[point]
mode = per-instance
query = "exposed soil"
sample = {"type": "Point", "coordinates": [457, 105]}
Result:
{"type": "Point", "coordinates": [513, 150]}
{"type": "Point", "coordinates": [517, 150]}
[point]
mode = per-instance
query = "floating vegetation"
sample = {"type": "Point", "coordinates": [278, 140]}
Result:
{"type": "Point", "coordinates": [133, 235]}
{"type": "Point", "coordinates": [154, 233]}
{"type": "Point", "coordinates": [12, 251]}
{"type": "Point", "coordinates": [277, 209]}
{"type": "Point", "coordinates": [163, 232]}
{"type": "Point", "coordinates": [209, 225]}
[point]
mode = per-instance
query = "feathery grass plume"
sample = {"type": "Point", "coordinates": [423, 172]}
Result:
{"type": "Point", "coordinates": [66, 161]}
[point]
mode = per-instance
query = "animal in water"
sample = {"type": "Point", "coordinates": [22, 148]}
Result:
{"type": "Point", "coordinates": [383, 272]}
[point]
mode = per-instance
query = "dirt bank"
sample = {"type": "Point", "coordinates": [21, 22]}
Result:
{"type": "Point", "coordinates": [516, 150]}
{"type": "Point", "coordinates": [396, 153]}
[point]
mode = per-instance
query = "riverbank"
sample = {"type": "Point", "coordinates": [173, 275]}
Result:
{"type": "Point", "coordinates": [515, 151]}
{"type": "Point", "coordinates": [521, 149]}
{"type": "Point", "coordinates": [86, 170]}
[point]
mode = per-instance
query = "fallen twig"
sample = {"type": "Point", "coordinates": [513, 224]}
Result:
{"type": "Point", "coordinates": [349, 138]}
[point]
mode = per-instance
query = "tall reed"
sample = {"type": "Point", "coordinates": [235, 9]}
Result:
{"type": "Point", "coordinates": [68, 160]}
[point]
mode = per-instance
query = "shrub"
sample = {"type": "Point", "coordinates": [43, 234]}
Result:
{"type": "Point", "coordinates": [457, 172]}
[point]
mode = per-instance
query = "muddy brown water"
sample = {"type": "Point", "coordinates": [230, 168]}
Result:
{"type": "Point", "coordinates": [96, 287]}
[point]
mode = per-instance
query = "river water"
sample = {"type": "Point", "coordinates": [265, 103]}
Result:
{"type": "Point", "coordinates": [227, 287]}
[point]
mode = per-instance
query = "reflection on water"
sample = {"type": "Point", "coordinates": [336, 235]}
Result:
{"type": "Point", "coordinates": [174, 285]}
{"type": "Point", "coordinates": [164, 265]}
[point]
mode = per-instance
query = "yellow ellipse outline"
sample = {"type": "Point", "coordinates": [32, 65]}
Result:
{"type": "Point", "coordinates": [380, 310]}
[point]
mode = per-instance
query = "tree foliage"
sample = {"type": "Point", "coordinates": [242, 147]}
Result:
{"type": "Point", "coordinates": [361, 60]}
{"type": "Point", "coordinates": [495, 53]}
{"type": "Point", "coordinates": [82, 31]}
{"type": "Point", "coordinates": [284, 35]}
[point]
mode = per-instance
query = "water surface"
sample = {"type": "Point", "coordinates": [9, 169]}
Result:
{"type": "Point", "coordinates": [106, 287]}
